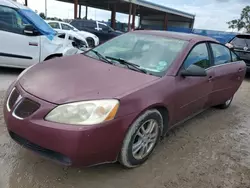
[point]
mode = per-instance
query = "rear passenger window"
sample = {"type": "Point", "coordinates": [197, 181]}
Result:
{"type": "Point", "coordinates": [198, 56]}
{"type": "Point", "coordinates": [221, 54]}
{"type": "Point", "coordinates": [76, 24]}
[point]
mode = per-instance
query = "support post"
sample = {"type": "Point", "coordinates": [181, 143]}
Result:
{"type": "Point", "coordinates": [80, 11]}
{"type": "Point", "coordinates": [75, 8]}
{"type": "Point", "coordinates": [113, 17]}
{"type": "Point", "coordinates": [165, 25]}
{"type": "Point", "coordinates": [129, 16]}
{"type": "Point", "coordinates": [46, 8]}
{"type": "Point", "coordinates": [86, 13]}
{"type": "Point", "coordinates": [133, 18]}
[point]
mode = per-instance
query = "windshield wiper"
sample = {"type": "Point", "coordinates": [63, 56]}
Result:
{"type": "Point", "coordinates": [101, 57]}
{"type": "Point", "coordinates": [128, 64]}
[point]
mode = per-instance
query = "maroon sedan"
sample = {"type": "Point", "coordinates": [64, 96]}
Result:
{"type": "Point", "coordinates": [114, 102]}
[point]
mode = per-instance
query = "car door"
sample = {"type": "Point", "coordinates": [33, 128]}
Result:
{"type": "Point", "coordinates": [105, 32]}
{"type": "Point", "coordinates": [228, 73]}
{"type": "Point", "coordinates": [16, 49]}
{"type": "Point", "coordinates": [89, 26]}
{"type": "Point", "coordinates": [192, 92]}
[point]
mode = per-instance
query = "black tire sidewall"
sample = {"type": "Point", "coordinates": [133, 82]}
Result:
{"type": "Point", "coordinates": [152, 114]}
{"type": "Point", "coordinates": [224, 105]}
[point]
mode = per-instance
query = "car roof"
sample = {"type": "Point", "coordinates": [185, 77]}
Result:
{"type": "Point", "coordinates": [57, 21]}
{"type": "Point", "coordinates": [177, 35]}
{"type": "Point", "coordinates": [83, 20]}
{"type": "Point", "coordinates": [12, 4]}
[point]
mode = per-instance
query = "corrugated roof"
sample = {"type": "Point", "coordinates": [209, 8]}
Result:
{"type": "Point", "coordinates": [161, 8]}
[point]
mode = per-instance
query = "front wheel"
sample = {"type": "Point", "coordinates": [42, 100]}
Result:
{"type": "Point", "coordinates": [226, 104]}
{"type": "Point", "coordinates": [90, 42]}
{"type": "Point", "coordinates": [141, 139]}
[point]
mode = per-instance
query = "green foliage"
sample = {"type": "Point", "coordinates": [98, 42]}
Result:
{"type": "Point", "coordinates": [42, 15]}
{"type": "Point", "coordinates": [243, 22]}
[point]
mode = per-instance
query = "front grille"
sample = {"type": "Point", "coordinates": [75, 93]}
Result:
{"type": "Point", "coordinates": [40, 150]}
{"type": "Point", "coordinates": [12, 98]}
{"type": "Point", "coordinates": [26, 108]}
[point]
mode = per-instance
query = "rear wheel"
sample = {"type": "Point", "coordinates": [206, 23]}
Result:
{"type": "Point", "coordinates": [225, 104]}
{"type": "Point", "coordinates": [141, 139]}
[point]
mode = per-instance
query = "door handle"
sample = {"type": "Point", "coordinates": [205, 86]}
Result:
{"type": "Point", "coordinates": [240, 70]}
{"type": "Point", "coordinates": [210, 78]}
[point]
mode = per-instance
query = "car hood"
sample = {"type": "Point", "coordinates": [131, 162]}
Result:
{"type": "Point", "coordinates": [116, 32]}
{"type": "Point", "coordinates": [86, 34]}
{"type": "Point", "coordinates": [78, 78]}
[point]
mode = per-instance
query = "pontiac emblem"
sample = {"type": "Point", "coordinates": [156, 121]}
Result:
{"type": "Point", "coordinates": [245, 48]}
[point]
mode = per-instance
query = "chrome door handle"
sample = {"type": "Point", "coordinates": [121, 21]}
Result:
{"type": "Point", "coordinates": [210, 78]}
{"type": "Point", "coordinates": [240, 70]}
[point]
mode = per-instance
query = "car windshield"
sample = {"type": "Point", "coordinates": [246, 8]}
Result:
{"type": "Point", "coordinates": [241, 41]}
{"type": "Point", "coordinates": [153, 54]}
{"type": "Point", "coordinates": [38, 22]}
{"type": "Point", "coordinates": [73, 28]}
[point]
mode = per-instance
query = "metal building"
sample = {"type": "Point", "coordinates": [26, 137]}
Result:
{"type": "Point", "coordinates": [151, 14]}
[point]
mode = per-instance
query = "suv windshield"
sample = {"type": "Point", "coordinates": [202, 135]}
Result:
{"type": "Point", "coordinates": [153, 54]}
{"type": "Point", "coordinates": [241, 41]}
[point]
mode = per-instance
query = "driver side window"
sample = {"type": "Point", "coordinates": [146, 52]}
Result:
{"type": "Point", "coordinates": [11, 21]}
{"type": "Point", "coordinates": [104, 27]}
{"type": "Point", "coordinates": [198, 56]}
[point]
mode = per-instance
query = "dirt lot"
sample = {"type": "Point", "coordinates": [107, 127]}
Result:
{"type": "Point", "coordinates": [211, 150]}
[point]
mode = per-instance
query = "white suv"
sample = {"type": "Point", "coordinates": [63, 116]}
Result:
{"type": "Point", "coordinates": [26, 39]}
{"type": "Point", "coordinates": [61, 27]}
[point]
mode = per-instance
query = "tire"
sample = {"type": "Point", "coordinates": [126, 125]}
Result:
{"type": "Point", "coordinates": [52, 57]}
{"type": "Point", "coordinates": [90, 42]}
{"type": "Point", "coordinates": [226, 104]}
{"type": "Point", "coordinates": [127, 157]}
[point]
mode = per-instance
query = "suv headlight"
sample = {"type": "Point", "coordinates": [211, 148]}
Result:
{"type": "Point", "coordinates": [84, 113]}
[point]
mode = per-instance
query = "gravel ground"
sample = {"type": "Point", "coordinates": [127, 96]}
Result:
{"type": "Point", "coordinates": [211, 150]}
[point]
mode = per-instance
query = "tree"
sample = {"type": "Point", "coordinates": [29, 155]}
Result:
{"type": "Point", "coordinates": [42, 15]}
{"type": "Point", "coordinates": [243, 22]}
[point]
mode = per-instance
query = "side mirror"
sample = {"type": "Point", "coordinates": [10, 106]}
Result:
{"type": "Point", "coordinates": [30, 30]}
{"type": "Point", "coordinates": [194, 70]}
{"type": "Point", "coordinates": [229, 45]}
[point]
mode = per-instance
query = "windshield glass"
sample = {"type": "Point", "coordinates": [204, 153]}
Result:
{"type": "Point", "coordinates": [73, 28]}
{"type": "Point", "coordinates": [241, 41]}
{"type": "Point", "coordinates": [151, 53]}
{"type": "Point", "coordinates": [38, 22]}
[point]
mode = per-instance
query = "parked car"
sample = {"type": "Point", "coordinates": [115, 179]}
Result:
{"type": "Point", "coordinates": [27, 39]}
{"type": "Point", "coordinates": [115, 101]}
{"type": "Point", "coordinates": [240, 44]}
{"type": "Point", "coordinates": [102, 30]}
{"type": "Point", "coordinates": [61, 27]}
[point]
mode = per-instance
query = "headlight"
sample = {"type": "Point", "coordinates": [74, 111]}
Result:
{"type": "Point", "coordinates": [84, 113]}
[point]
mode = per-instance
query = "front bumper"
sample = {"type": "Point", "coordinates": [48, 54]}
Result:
{"type": "Point", "coordinates": [67, 144]}
{"type": "Point", "coordinates": [247, 65]}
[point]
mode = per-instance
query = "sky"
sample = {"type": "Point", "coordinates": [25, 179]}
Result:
{"type": "Point", "coordinates": [210, 14]}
